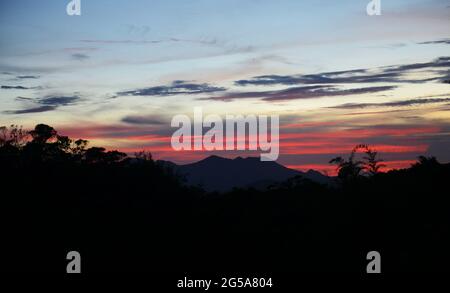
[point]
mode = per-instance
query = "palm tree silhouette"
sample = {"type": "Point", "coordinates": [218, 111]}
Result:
{"type": "Point", "coordinates": [351, 168]}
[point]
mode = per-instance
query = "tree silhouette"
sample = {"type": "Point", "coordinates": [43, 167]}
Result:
{"type": "Point", "coordinates": [14, 136]}
{"type": "Point", "coordinates": [143, 155]}
{"type": "Point", "coordinates": [98, 155]}
{"type": "Point", "coordinates": [426, 162]}
{"type": "Point", "coordinates": [63, 143]}
{"type": "Point", "coordinates": [46, 145]}
{"type": "Point", "coordinates": [348, 169]}
{"type": "Point", "coordinates": [42, 133]}
{"type": "Point", "coordinates": [372, 165]}
{"type": "Point", "coordinates": [351, 168]}
{"type": "Point", "coordinates": [78, 149]}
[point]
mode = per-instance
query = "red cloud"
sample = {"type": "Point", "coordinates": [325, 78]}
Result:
{"type": "Point", "coordinates": [328, 140]}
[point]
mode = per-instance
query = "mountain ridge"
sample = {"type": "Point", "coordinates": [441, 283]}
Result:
{"type": "Point", "coordinates": [215, 173]}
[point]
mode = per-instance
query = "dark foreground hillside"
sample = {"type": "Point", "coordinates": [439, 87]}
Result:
{"type": "Point", "coordinates": [58, 195]}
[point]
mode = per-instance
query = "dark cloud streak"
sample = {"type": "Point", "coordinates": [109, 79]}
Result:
{"type": "Point", "coordinates": [80, 57]}
{"type": "Point", "coordinates": [58, 100]}
{"type": "Point", "coordinates": [436, 42]}
{"type": "Point", "coordinates": [27, 77]}
{"type": "Point", "coordinates": [389, 74]}
{"type": "Point", "coordinates": [176, 88]}
{"type": "Point", "coordinates": [17, 87]}
{"type": "Point", "coordinates": [45, 104]}
{"type": "Point", "coordinates": [32, 110]}
{"type": "Point", "coordinates": [306, 92]}
{"type": "Point", "coordinates": [143, 120]}
{"type": "Point", "coordinates": [404, 103]}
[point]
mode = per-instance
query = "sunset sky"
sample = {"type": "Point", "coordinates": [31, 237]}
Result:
{"type": "Point", "coordinates": [117, 74]}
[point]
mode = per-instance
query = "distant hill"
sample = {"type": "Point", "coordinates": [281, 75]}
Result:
{"type": "Point", "coordinates": [221, 174]}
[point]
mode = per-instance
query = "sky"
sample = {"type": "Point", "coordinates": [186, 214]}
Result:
{"type": "Point", "coordinates": [337, 77]}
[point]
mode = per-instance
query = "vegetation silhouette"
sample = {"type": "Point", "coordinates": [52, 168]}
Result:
{"type": "Point", "coordinates": [352, 169]}
{"type": "Point", "coordinates": [131, 214]}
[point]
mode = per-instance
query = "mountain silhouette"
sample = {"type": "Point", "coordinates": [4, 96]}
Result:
{"type": "Point", "coordinates": [222, 174]}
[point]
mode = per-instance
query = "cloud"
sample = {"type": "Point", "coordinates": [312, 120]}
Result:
{"type": "Point", "coordinates": [355, 76]}
{"type": "Point", "coordinates": [404, 103]}
{"type": "Point", "coordinates": [48, 68]}
{"type": "Point", "coordinates": [373, 112]}
{"type": "Point", "coordinates": [45, 104]}
{"type": "Point", "coordinates": [80, 56]}
{"type": "Point", "coordinates": [120, 132]}
{"type": "Point", "coordinates": [326, 84]}
{"type": "Point", "coordinates": [226, 47]}
{"type": "Point", "coordinates": [24, 99]}
{"type": "Point", "coordinates": [176, 88]}
{"type": "Point", "coordinates": [201, 41]}
{"type": "Point", "coordinates": [306, 92]}
{"type": "Point", "coordinates": [138, 30]}
{"type": "Point", "coordinates": [58, 100]}
{"type": "Point", "coordinates": [388, 74]}
{"type": "Point", "coordinates": [32, 110]}
{"type": "Point", "coordinates": [387, 139]}
{"type": "Point", "coordinates": [436, 42]}
{"type": "Point", "coordinates": [79, 49]}
{"type": "Point", "coordinates": [18, 87]}
{"type": "Point", "coordinates": [27, 77]}
{"type": "Point", "coordinates": [122, 41]}
{"type": "Point", "coordinates": [441, 62]}
{"type": "Point", "coordinates": [143, 120]}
